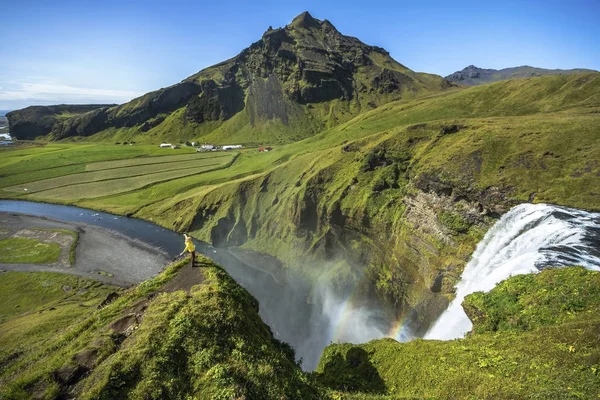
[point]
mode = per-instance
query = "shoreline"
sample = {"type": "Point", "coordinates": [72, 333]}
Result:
{"type": "Point", "coordinates": [101, 254]}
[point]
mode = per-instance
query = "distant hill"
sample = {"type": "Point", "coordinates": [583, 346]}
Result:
{"type": "Point", "coordinates": [34, 121]}
{"type": "Point", "coordinates": [292, 83]}
{"type": "Point", "coordinates": [473, 75]}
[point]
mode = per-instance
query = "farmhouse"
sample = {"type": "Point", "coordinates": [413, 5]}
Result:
{"type": "Point", "coordinates": [207, 147]}
{"type": "Point", "coordinates": [264, 149]}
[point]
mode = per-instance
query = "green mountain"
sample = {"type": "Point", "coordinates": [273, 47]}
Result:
{"type": "Point", "coordinates": [473, 75]}
{"type": "Point", "coordinates": [293, 83]}
{"type": "Point", "coordinates": [34, 121]}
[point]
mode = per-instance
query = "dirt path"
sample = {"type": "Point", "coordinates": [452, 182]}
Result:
{"type": "Point", "coordinates": [101, 254]}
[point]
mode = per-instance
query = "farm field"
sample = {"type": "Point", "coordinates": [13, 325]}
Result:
{"type": "Point", "coordinates": [66, 173]}
{"type": "Point", "coordinates": [155, 169]}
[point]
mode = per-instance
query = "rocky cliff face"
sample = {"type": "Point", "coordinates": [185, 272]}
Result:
{"type": "Point", "coordinates": [35, 121]}
{"type": "Point", "coordinates": [292, 83]}
{"type": "Point", "coordinates": [473, 75]}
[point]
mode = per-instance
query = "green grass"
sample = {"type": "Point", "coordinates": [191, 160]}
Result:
{"type": "Point", "coordinates": [114, 186]}
{"type": "Point", "coordinates": [167, 160]}
{"type": "Point", "coordinates": [208, 344]}
{"type": "Point", "coordinates": [52, 155]}
{"type": "Point", "coordinates": [36, 306]}
{"type": "Point", "coordinates": [28, 251]}
{"type": "Point", "coordinates": [556, 355]}
{"type": "Point", "coordinates": [121, 172]}
{"type": "Point", "coordinates": [73, 247]}
{"type": "Point", "coordinates": [529, 302]}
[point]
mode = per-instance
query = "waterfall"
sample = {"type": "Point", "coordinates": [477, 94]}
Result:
{"type": "Point", "coordinates": [528, 238]}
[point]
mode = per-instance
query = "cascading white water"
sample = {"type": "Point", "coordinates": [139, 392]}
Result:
{"type": "Point", "coordinates": [528, 238]}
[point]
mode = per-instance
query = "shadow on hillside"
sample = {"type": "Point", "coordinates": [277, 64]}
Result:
{"type": "Point", "coordinates": [355, 373]}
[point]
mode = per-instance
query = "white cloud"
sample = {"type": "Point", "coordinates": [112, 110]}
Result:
{"type": "Point", "coordinates": [52, 93]}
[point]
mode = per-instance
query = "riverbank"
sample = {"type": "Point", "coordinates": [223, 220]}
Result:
{"type": "Point", "coordinates": [101, 254]}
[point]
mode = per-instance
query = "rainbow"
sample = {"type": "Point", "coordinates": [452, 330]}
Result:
{"type": "Point", "coordinates": [344, 319]}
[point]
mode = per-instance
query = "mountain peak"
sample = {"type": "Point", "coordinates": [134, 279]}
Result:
{"type": "Point", "coordinates": [306, 21]}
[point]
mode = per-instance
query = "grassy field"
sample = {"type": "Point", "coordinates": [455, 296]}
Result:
{"type": "Point", "coordinates": [157, 169]}
{"type": "Point", "coordinates": [165, 160]}
{"type": "Point", "coordinates": [28, 251]}
{"type": "Point", "coordinates": [36, 306]}
{"type": "Point", "coordinates": [59, 172]}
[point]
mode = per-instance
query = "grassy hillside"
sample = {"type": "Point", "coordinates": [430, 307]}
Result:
{"type": "Point", "coordinates": [555, 355]}
{"type": "Point", "coordinates": [186, 333]}
{"type": "Point", "coordinates": [36, 306]}
{"type": "Point", "coordinates": [195, 333]}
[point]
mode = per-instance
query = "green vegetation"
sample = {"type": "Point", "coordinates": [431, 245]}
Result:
{"type": "Point", "coordinates": [552, 352]}
{"type": "Point", "coordinates": [36, 306]}
{"type": "Point", "coordinates": [28, 251]}
{"type": "Point", "coordinates": [535, 337]}
{"type": "Point", "coordinates": [528, 302]}
{"type": "Point", "coordinates": [179, 160]}
{"type": "Point", "coordinates": [208, 343]}
{"type": "Point", "coordinates": [73, 247]}
{"type": "Point", "coordinates": [403, 192]}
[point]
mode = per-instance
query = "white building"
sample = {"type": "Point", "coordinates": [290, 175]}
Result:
{"type": "Point", "coordinates": [232, 147]}
{"type": "Point", "coordinates": [165, 145]}
{"type": "Point", "coordinates": [207, 146]}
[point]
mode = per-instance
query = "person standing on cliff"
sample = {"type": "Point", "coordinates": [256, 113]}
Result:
{"type": "Point", "coordinates": [190, 248]}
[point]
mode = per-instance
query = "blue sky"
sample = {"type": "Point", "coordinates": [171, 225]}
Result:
{"type": "Point", "coordinates": [89, 51]}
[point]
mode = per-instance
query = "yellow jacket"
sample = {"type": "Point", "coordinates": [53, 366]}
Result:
{"type": "Point", "coordinates": [189, 245]}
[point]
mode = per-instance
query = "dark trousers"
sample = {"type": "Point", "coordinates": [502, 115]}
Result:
{"type": "Point", "coordinates": [192, 257]}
